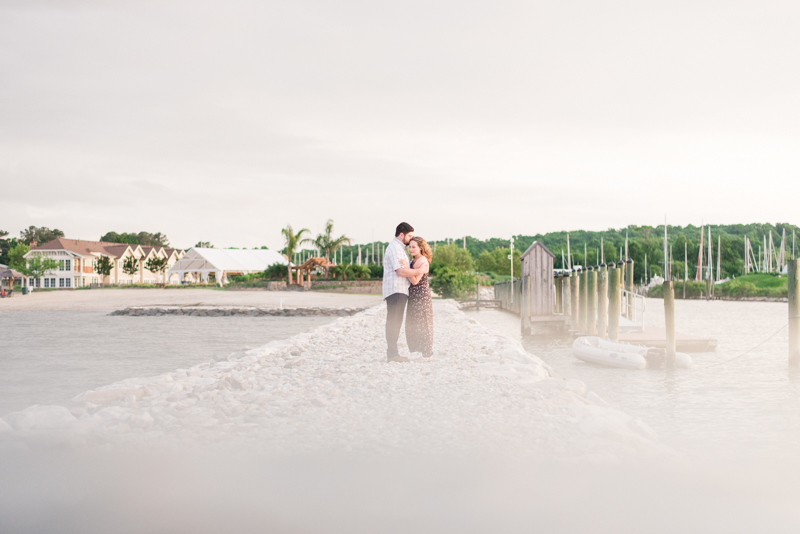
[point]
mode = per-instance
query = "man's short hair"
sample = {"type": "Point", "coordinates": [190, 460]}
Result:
{"type": "Point", "coordinates": [403, 228]}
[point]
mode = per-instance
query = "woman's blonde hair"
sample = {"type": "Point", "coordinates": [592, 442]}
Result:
{"type": "Point", "coordinates": [424, 248]}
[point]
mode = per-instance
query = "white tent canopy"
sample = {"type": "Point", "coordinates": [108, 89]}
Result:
{"type": "Point", "coordinates": [202, 261]}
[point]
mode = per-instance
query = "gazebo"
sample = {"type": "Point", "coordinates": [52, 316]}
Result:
{"type": "Point", "coordinates": [7, 277]}
{"type": "Point", "coordinates": [302, 273]}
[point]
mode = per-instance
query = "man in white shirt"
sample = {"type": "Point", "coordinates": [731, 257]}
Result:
{"type": "Point", "coordinates": [395, 287]}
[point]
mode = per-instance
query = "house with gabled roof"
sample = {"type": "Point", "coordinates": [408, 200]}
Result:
{"type": "Point", "coordinates": [77, 263]}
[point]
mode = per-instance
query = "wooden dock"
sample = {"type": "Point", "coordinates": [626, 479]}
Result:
{"type": "Point", "coordinates": [656, 336]}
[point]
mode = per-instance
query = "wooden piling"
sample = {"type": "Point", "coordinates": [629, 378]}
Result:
{"type": "Point", "coordinates": [613, 301]}
{"type": "Point", "coordinates": [629, 311]}
{"type": "Point", "coordinates": [602, 301]}
{"type": "Point", "coordinates": [669, 320]}
{"type": "Point", "coordinates": [591, 304]}
{"type": "Point", "coordinates": [566, 298]}
{"type": "Point", "coordinates": [584, 301]}
{"type": "Point", "coordinates": [477, 296]}
{"type": "Point", "coordinates": [575, 295]}
{"type": "Point", "coordinates": [794, 313]}
{"type": "Point", "coordinates": [558, 282]}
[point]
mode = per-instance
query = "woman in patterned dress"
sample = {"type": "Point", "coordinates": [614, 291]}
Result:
{"type": "Point", "coordinates": [419, 313]}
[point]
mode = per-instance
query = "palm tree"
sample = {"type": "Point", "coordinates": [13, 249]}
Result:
{"type": "Point", "coordinates": [291, 241]}
{"type": "Point", "coordinates": [343, 270]}
{"type": "Point", "coordinates": [327, 244]}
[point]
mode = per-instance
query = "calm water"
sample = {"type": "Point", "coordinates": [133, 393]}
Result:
{"type": "Point", "coordinates": [747, 407]}
{"type": "Point", "coordinates": [49, 357]}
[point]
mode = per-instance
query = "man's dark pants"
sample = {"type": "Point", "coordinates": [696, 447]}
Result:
{"type": "Point", "coordinates": [395, 308]}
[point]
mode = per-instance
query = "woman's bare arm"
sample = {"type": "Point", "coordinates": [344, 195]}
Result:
{"type": "Point", "coordinates": [421, 270]}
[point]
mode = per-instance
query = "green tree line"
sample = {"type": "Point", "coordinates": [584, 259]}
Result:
{"type": "Point", "coordinates": [491, 254]}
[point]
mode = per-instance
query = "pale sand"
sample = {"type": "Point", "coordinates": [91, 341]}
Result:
{"type": "Point", "coordinates": [116, 299]}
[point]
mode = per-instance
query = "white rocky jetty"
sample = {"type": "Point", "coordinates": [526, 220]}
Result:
{"type": "Point", "coordinates": [332, 390]}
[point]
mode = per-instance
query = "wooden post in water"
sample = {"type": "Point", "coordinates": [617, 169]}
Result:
{"type": "Point", "coordinates": [584, 301]}
{"type": "Point", "coordinates": [566, 298]}
{"type": "Point", "coordinates": [477, 296]}
{"type": "Point", "coordinates": [613, 301]}
{"type": "Point", "coordinates": [794, 313]}
{"type": "Point", "coordinates": [630, 313]}
{"type": "Point", "coordinates": [669, 319]}
{"type": "Point", "coordinates": [558, 283]}
{"type": "Point", "coordinates": [575, 294]}
{"type": "Point", "coordinates": [602, 301]}
{"type": "Point", "coordinates": [591, 304]}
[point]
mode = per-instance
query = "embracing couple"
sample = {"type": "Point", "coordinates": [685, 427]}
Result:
{"type": "Point", "coordinates": [404, 286]}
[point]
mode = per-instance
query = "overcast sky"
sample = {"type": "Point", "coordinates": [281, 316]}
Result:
{"type": "Point", "coordinates": [224, 121]}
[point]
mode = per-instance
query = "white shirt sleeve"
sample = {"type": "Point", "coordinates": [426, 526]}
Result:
{"type": "Point", "coordinates": [395, 258]}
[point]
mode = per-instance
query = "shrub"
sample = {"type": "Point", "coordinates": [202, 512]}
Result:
{"type": "Point", "coordinates": [737, 289]}
{"type": "Point", "coordinates": [361, 272]}
{"type": "Point", "coordinates": [238, 278]}
{"type": "Point", "coordinates": [276, 271]}
{"type": "Point", "coordinates": [343, 271]}
{"type": "Point", "coordinates": [693, 290]}
{"type": "Point", "coordinates": [449, 283]}
{"type": "Point", "coordinates": [376, 270]}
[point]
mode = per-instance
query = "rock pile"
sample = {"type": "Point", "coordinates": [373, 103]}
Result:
{"type": "Point", "coordinates": [331, 390]}
{"type": "Point", "coordinates": [217, 311]}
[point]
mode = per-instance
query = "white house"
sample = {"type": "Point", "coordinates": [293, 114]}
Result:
{"type": "Point", "coordinates": [77, 263]}
{"type": "Point", "coordinates": [198, 263]}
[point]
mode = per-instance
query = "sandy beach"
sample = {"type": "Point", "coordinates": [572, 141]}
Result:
{"type": "Point", "coordinates": [116, 299]}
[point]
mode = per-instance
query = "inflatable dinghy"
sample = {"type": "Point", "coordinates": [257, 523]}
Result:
{"type": "Point", "coordinates": [593, 349]}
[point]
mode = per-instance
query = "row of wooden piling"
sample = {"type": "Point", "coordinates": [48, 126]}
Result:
{"type": "Point", "coordinates": [592, 297]}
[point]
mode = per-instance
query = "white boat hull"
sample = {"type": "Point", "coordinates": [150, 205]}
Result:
{"type": "Point", "coordinates": [600, 351]}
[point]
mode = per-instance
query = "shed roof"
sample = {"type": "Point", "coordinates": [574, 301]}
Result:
{"type": "Point", "coordinates": [217, 259]}
{"type": "Point", "coordinates": [534, 245]}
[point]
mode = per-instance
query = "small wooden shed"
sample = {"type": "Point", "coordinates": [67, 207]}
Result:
{"type": "Point", "coordinates": [538, 291]}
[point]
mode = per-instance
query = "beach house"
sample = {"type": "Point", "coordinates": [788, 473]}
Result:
{"type": "Point", "coordinates": [78, 263]}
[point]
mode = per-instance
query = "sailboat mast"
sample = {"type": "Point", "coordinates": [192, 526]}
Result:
{"type": "Point", "coordinates": [627, 255]}
{"type": "Point", "coordinates": [746, 257]}
{"type": "Point", "coordinates": [569, 257]}
{"type": "Point", "coordinates": [645, 268]}
{"type": "Point", "coordinates": [710, 259]}
{"type": "Point", "coordinates": [782, 259]}
{"type": "Point", "coordinates": [698, 274]}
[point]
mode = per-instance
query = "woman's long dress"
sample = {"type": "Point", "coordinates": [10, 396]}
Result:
{"type": "Point", "coordinates": [419, 317]}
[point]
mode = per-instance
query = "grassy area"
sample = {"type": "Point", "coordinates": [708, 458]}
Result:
{"type": "Point", "coordinates": [763, 280]}
{"type": "Point", "coordinates": [755, 285]}
{"type": "Point", "coordinates": [751, 285]}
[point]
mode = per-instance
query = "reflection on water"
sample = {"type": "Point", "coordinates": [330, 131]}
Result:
{"type": "Point", "coordinates": [746, 407]}
{"type": "Point", "coordinates": [49, 357]}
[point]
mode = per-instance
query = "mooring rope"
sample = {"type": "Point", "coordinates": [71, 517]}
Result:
{"type": "Point", "coordinates": [751, 349]}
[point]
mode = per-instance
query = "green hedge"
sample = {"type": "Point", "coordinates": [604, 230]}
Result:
{"type": "Point", "coordinates": [693, 290]}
